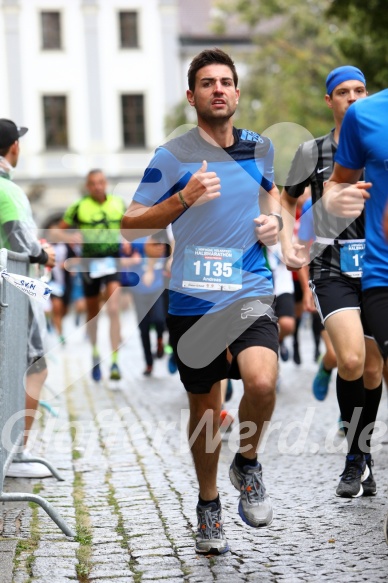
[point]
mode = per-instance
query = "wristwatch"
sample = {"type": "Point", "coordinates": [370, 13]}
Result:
{"type": "Point", "coordinates": [279, 218]}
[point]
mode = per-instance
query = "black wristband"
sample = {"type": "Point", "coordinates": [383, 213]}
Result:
{"type": "Point", "coordinates": [279, 218]}
{"type": "Point", "coordinates": [42, 258]}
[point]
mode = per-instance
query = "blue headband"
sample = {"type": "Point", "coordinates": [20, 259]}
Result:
{"type": "Point", "coordinates": [341, 74]}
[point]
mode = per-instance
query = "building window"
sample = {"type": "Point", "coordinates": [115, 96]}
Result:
{"type": "Point", "coordinates": [51, 30]}
{"type": "Point", "coordinates": [55, 121]}
{"type": "Point", "coordinates": [128, 23]}
{"type": "Point", "coordinates": [133, 120]}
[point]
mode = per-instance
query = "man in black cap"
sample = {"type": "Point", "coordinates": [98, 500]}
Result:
{"type": "Point", "coordinates": [10, 133]}
{"type": "Point", "coordinates": [17, 232]}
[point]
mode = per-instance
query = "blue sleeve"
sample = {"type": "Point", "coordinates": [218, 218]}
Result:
{"type": "Point", "coordinates": [160, 179]}
{"type": "Point", "coordinates": [306, 223]}
{"type": "Point", "coordinates": [138, 246]}
{"type": "Point", "coordinates": [269, 174]}
{"type": "Point", "coordinates": [350, 153]}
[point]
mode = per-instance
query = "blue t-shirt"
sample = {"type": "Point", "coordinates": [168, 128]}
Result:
{"type": "Point", "coordinates": [132, 276]}
{"type": "Point", "coordinates": [364, 143]}
{"type": "Point", "coordinates": [306, 222]}
{"type": "Point", "coordinates": [140, 268]}
{"type": "Point", "coordinates": [217, 258]}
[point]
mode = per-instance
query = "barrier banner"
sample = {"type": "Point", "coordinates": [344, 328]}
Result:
{"type": "Point", "coordinates": [35, 288]}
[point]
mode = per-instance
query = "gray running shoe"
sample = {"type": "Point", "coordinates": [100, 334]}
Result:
{"type": "Point", "coordinates": [255, 507]}
{"type": "Point", "coordinates": [355, 473]}
{"type": "Point", "coordinates": [210, 536]}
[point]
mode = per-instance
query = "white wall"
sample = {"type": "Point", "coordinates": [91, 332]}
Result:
{"type": "Point", "coordinates": [67, 72]}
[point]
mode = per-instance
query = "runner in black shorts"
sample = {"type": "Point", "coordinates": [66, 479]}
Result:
{"type": "Point", "coordinates": [335, 275]}
{"type": "Point", "coordinates": [98, 216]}
{"type": "Point", "coordinates": [206, 184]}
{"type": "Point", "coordinates": [237, 327]}
{"type": "Point", "coordinates": [364, 146]}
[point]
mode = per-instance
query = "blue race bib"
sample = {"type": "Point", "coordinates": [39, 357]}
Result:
{"type": "Point", "coordinates": [351, 259]}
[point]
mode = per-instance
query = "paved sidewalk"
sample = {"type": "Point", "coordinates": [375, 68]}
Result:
{"type": "Point", "coordinates": [130, 491]}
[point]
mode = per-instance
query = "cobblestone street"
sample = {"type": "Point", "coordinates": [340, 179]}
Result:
{"type": "Point", "coordinates": [130, 491]}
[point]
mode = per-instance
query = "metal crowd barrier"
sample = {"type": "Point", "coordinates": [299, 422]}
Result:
{"type": "Point", "coordinates": [14, 307]}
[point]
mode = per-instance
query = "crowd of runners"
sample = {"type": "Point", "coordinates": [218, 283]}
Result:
{"type": "Point", "coordinates": [220, 266]}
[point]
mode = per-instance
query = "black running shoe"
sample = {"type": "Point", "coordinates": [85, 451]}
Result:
{"type": "Point", "coordinates": [352, 478]}
{"type": "Point", "coordinates": [296, 355]}
{"type": "Point", "coordinates": [369, 486]}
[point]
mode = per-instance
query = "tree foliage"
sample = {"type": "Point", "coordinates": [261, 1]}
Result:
{"type": "Point", "coordinates": [288, 67]}
{"type": "Point", "coordinates": [295, 46]}
{"type": "Point", "coordinates": [372, 15]}
{"type": "Point", "coordinates": [363, 37]}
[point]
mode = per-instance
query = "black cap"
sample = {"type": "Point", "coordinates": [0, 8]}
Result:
{"type": "Point", "coordinates": [10, 132]}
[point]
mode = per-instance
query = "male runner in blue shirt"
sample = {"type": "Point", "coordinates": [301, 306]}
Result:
{"type": "Point", "coordinates": [364, 145]}
{"type": "Point", "coordinates": [207, 184]}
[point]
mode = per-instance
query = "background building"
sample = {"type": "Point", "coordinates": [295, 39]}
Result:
{"type": "Point", "coordinates": [94, 80]}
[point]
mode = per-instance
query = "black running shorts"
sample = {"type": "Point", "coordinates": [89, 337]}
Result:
{"type": "Point", "coordinates": [200, 342]}
{"type": "Point", "coordinates": [285, 306]}
{"type": "Point", "coordinates": [375, 308]}
{"type": "Point", "coordinates": [92, 286]}
{"type": "Point", "coordinates": [336, 294]}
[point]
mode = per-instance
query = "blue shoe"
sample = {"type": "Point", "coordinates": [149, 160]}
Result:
{"type": "Point", "coordinates": [172, 365]}
{"type": "Point", "coordinates": [96, 371]}
{"type": "Point", "coordinates": [321, 383]}
{"type": "Point", "coordinates": [284, 353]}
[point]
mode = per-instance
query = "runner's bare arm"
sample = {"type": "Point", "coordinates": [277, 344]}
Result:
{"type": "Point", "coordinates": [270, 201]}
{"type": "Point", "coordinates": [59, 235]}
{"type": "Point", "coordinates": [140, 220]}
{"type": "Point", "coordinates": [267, 225]}
{"type": "Point", "coordinates": [343, 195]}
{"type": "Point", "coordinates": [294, 253]}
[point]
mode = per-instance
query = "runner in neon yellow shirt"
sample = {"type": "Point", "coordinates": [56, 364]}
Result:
{"type": "Point", "coordinates": [98, 216]}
